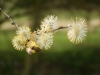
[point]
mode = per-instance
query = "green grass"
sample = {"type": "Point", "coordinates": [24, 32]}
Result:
{"type": "Point", "coordinates": [5, 40]}
{"type": "Point", "coordinates": [61, 56]}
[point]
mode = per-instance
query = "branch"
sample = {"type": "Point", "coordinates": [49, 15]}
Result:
{"type": "Point", "coordinates": [62, 27]}
{"type": "Point", "coordinates": [9, 17]}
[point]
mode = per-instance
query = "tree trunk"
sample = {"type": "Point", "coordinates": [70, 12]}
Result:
{"type": "Point", "coordinates": [28, 62]}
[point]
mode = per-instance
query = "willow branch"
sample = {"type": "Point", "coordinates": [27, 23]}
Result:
{"type": "Point", "coordinates": [61, 27]}
{"type": "Point", "coordinates": [9, 17]}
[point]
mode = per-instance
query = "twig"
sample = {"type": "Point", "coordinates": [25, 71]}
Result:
{"type": "Point", "coordinates": [61, 27]}
{"type": "Point", "coordinates": [9, 17]}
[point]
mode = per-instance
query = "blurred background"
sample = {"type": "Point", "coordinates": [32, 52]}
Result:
{"type": "Point", "coordinates": [64, 57]}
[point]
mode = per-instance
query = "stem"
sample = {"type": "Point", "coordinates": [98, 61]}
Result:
{"type": "Point", "coordinates": [61, 27]}
{"type": "Point", "coordinates": [9, 17]}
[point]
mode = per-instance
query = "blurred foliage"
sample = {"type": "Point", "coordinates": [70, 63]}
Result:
{"type": "Point", "coordinates": [64, 58]}
{"type": "Point", "coordinates": [36, 8]}
{"type": "Point", "coordinates": [52, 63]}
